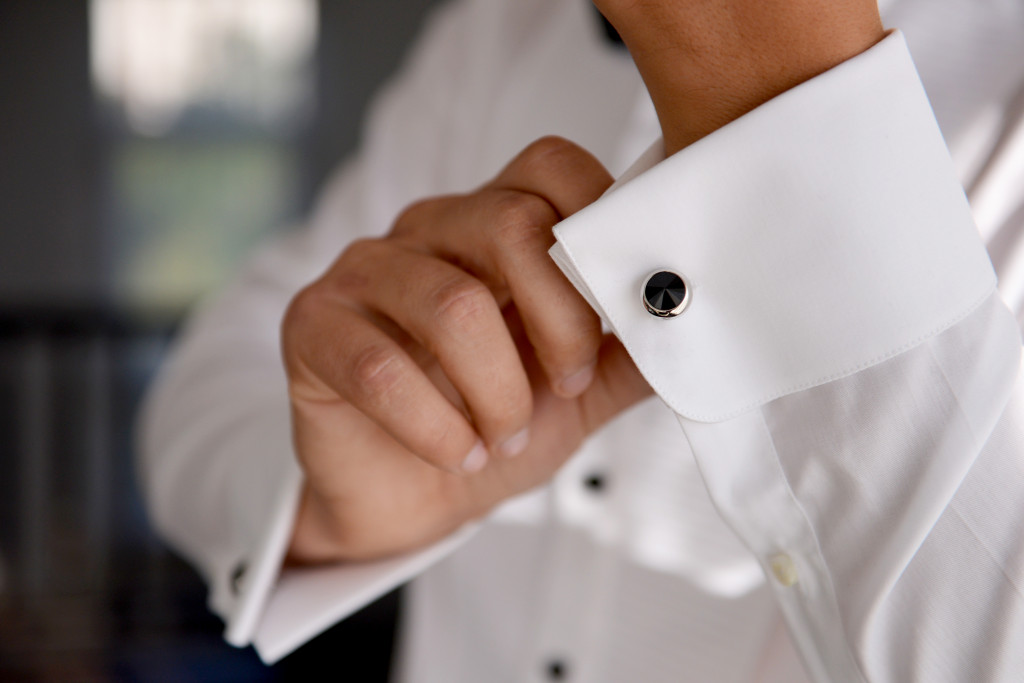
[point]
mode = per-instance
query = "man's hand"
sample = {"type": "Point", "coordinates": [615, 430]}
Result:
{"type": "Point", "coordinates": [443, 368]}
{"type": "Point", "coordinates": [707, 62]}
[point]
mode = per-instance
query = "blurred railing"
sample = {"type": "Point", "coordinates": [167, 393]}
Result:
{"type": "Point", "coordinates": [87, 592]}
{"type": "Point", "coordinates": [72, 380]}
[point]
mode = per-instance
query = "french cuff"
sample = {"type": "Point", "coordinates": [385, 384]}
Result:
{"type": "Point", "coordinates": [307, 601]}
{"type": "Point", "coordinates": [241, 595]}
{"type": "Point", "coordinates": [277, 610]}
{"type": "Point", "coordinates": [819, 234]}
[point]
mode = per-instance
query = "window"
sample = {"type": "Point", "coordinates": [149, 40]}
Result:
{"type": "Point", "coordinates": [204, 106]}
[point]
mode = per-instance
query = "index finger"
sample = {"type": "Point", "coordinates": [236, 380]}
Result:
{"type": "Point", "coordinates": [561, 172]}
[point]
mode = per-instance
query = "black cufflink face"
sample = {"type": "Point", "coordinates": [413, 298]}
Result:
{"type": "Point", "coordinates": [665, 294]}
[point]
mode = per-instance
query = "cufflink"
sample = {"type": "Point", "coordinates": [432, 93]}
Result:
{"type": "Point", "coordinates": [665, 294]}
{"type": "Point", "coordinates": [237, 579]}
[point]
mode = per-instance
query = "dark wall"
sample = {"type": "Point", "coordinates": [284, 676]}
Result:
{"type": "Point", "coordinates": [81, 575]}
{"type": "Point", "coordinates": [50, 246]}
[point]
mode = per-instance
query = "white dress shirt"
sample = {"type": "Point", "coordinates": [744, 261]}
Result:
{"type": "Point", "coordinates": [843, 501]}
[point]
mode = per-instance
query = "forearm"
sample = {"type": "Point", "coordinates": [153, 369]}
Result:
{"type": "Point", "coordinates": [707, 62]}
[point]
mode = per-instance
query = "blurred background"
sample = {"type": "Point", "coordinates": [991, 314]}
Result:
{"type": "Point", "coordinates": [145, 147]}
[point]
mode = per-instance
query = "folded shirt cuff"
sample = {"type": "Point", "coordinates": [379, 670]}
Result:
{"type": "Point", "coordinates": [820, 234]}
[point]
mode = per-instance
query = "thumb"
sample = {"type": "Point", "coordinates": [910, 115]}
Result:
{"type": "Point", "coordinates": [617, 385]}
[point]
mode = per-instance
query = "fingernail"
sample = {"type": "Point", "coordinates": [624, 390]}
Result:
{"type": "Point", "coordinates": [516, 444]}
{"type": "Point", "coordinates": [476, 459]}
{"type": "Point", "coordinates": [576, 383]}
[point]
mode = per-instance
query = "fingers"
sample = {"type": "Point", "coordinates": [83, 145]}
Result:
{"type": "Point", "coordinates": [330, 350]}
{"type": "Point", "coordinates": [563, 173]}
{"type": "Point", "coordinates": [561, 326]}
{"type": "Point", "coordinates": [456, 318]}
{"type": "Point", "coordinates": [617, 385]}
{"type": "Point", "coordinates": [563, 329]}
{"type": "Point", "coordinates": [502, 234]}
{"type": "Point", "coordinates": [438, 284]}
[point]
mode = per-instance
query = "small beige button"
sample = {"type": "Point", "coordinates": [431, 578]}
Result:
{"type": "Point", "coordinates": [783, 569]}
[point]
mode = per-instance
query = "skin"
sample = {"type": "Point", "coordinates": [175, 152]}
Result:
{"type": "Point", "coordinates": [471, 369]}
{"type": "Point", "coordinates": [707, 62]}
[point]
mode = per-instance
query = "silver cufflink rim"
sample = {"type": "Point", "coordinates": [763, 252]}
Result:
{"type": "Point", "coordinates": [661, 312]}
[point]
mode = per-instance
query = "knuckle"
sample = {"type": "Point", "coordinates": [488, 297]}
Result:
{"type": "Point", "coordinates": [359, 246]}
{"type": "Point", "coordinates": [303, 310]}
{"type": "Point", "coordinates": [350, 274]}
{"type": "Point", "coordinates": [416, 215]}
{"type": "Point", "coordinates": [410, 216]}
{"type": "Point", "coordinates": [549, 149]}
{"type": "Point", "coordinates": [441, 443]}
{"type": "Point", "coordinates": [462, 301]}
{"type": "Point", "coordinates": [307, 368]}
{"type": "Point", "coordinates": [375, 371]}
{"type": "Point", "coordinates": [521, 218]}
{"type": "Point", "coordinates": [357, 252]}
{"type": "Point", "coordinates": [549, 157]}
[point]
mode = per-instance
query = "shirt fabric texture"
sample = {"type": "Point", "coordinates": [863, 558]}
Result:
{"type": "Point", "coordinates": [829, 485]}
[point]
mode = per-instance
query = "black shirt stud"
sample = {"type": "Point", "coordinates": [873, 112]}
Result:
{"type": "Point", "coordinates": [665, 294]}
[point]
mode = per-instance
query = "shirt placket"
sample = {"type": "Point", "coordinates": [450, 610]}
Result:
{"type": "Point", "coordinates": [575, 599]}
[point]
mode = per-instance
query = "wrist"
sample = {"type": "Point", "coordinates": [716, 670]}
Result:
{"type": "Point", "coordinates": [322, 534]}
{"type": "Point", "coordinates": [707, 62]}
{"type": "Point", "coordinates": [312, 540]}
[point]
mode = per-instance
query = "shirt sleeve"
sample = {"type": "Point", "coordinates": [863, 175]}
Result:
{"type": "Point", "coordinates": [216, 458]}
{"type": "Point", "coordinates": [845, 374]}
